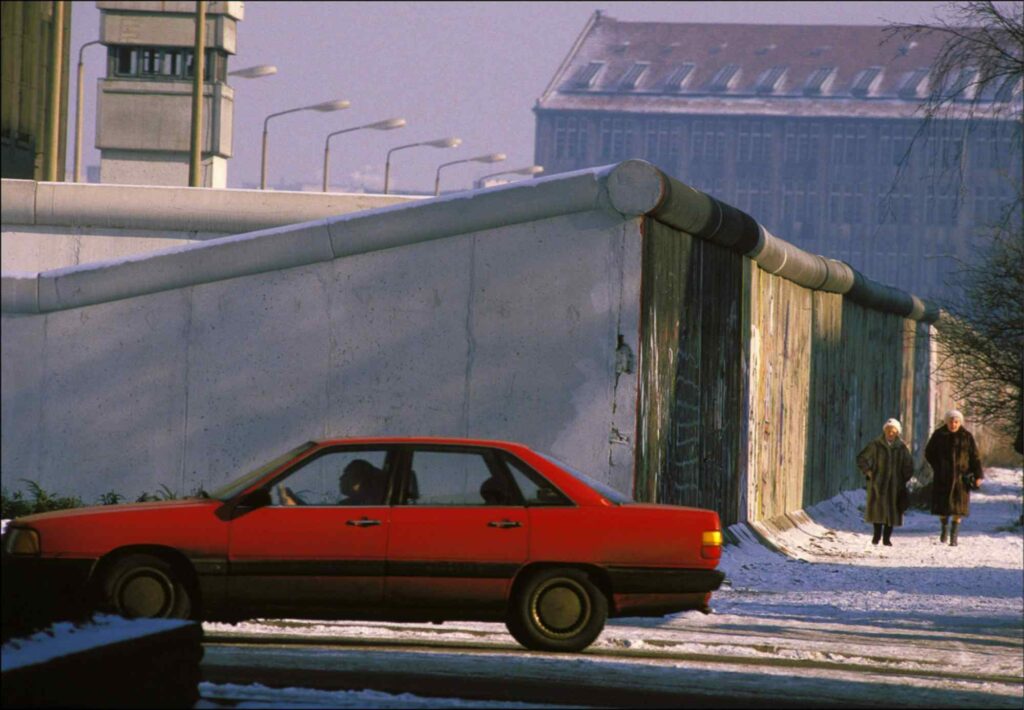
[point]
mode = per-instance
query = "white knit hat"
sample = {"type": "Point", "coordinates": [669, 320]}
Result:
{"type": "Point", "coordinates": [952, 414]}
{"type": "Point", "coordinates": [895, 423]}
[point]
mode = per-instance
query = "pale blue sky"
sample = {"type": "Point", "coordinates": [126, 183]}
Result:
{"type": "Point", "coordinates": [466, 69]}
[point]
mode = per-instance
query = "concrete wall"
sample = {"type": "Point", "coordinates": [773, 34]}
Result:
{"type": "Point", "coordinates": [506, 332]}
{"type": "Point", "coordinates": [643, 331]}
{"type": "Point", "coordinates": [54, 225]}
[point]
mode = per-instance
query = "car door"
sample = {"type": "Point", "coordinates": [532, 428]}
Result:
{"type": "Point", "coordinates": [459, 531]}
{"type": "Point", "coordinates": [316, 548]}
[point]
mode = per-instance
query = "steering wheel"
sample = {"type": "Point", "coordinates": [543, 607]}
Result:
{"type": "Point", "coordinates": [287, 497]}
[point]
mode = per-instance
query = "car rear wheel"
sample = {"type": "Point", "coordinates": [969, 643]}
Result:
{"type": "Point", "coordinates": [144, 586]}
{"type": "Point", "coordinates": [557, 610]}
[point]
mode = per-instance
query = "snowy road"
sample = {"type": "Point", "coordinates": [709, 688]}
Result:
{"type": "Point", "coordinates": [834, 622]}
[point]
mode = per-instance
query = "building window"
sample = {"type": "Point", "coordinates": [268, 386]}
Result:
{"type": "Point", "coordinates": [940, 206]}
{"type": "Point", "coordinates": [801, 142]}
{"type": "Point", "coordinates": [896, 206]}
{"type": "Point", "coordinates": [990, 205]}
{"type": "Point", "coordinates": [845, 204]}
{"type": "Point", "coordinates": [849, 144]}
{"type": "Point", "coordinates": [753, 143]}
{"type": "Point", "coordinates": [799, 202]}
{"type": "Point", "coordinates": [893, 143]}
{"type": "Point", "coordinates": [754, 196]}
{"type": "Point", "coordinates": [560, 150]}
{"type": "Point", "coordinates": [707, 141]}
{"type": "Point", "coordinates": [606, 138]}
{"type": "Point", "coordinates": [171, 63]}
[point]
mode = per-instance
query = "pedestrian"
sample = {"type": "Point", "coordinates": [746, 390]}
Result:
{"type": "Point", "coordinates": [953, 456]}
{"type": "Point", "coordinates": [887, 466]}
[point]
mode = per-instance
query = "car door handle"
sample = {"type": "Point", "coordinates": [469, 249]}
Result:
{"type": "Point", "coordinates": [504, 524]}
{"type": "Point", "coordinates": [362, 523]}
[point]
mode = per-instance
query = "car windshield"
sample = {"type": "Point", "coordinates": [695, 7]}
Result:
{"type": "Point", "coordinates": [238, 485]}
{"type": "Point", "coordinates": [603, 488]}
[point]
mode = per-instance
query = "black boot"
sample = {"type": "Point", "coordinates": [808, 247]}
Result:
{"type": "Point", "coordinates": [943, 534]}
{"type": "Point", "coordinates": [878, 534]}
{"type": "Point", "coordinates": [952, 534]}
{"type": "Point", "coordinates": [887, 535]}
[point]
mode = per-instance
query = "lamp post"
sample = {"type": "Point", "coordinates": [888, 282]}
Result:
{"type": "Point", "coordinates": [439, 143]}
{"type": "Point", "coordinates": [489, 158]}
{"type": "Point", "coordinates": [385, 125]}
{"type": "Point", "coordinates": [260, 70]}
{"type": "Point", "coordinates": [529, 170]}
{"type": "Point", "coordinates": [79, 111]}
{"type": "Point", "coordinates": [198, 64]}
{"type": "Point", "coordinates": [336, 105]}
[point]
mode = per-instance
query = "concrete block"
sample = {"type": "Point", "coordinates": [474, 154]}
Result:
{"type": "Point", "coordinates": [113, 396]}
{"type": "Point", "coordinates": [19, 292]}
{"type": "Point", "coordinates": [22, 370]}
{"type": "Point", "coordinates": [18, 201]}
{"type": "Point", "coordinates": [259, 366]}
{"type": "Point", "coordinates": [468, 212]}
{"type": "Point", "coordinates": [186, 265]}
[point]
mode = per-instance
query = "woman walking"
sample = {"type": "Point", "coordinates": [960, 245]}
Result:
{"type": "Point", "coordinates": [887, 465]}
{"type": "Point", "coordinates": [953, 456]}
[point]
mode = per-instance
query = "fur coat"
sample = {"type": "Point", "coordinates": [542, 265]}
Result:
{"type": "Point", "coordinates": [891, 466]}
{"type": "Point", "coordinates": [951, 455]}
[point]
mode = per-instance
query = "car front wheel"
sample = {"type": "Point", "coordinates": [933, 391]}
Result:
{"type": "Point", "coordinates": [144, 586]}
{"type": "Point", "coordinates": [557, 610]}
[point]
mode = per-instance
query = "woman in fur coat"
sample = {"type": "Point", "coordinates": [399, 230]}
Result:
{"type": "Point", "coordinates": [953, 456]}
{"type": "Point", "coordinates": [887, 466]}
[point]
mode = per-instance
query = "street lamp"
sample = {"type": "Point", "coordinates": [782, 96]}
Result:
{"type": "Point", "coordinates": [79, 112]}
{"type": "Point", "coordinates": [489, 158]}
{"type": "Point", "coordinates": [335, 105]}
{"type": "Point", "coordinates": [260, 70]}
{"type": "Point", "coordinates": [530, 170]}
{"type": "Point", "coordinates": [386, 125]}
{"type": "Point", "coordinates": [439, 143]}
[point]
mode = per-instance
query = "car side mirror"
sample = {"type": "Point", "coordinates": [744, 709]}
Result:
{"type": "Point", "coordinates": [258, 498]}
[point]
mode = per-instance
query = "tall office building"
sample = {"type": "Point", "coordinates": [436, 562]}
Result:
{"type": "Point", "coordinates": [806, 128]}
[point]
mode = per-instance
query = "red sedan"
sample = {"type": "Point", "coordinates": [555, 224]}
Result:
{"type": "Point", "coordinates": [397, 529]}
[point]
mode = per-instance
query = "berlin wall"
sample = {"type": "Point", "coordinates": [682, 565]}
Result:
{"type": "Point", "coordinates": [629, 324]}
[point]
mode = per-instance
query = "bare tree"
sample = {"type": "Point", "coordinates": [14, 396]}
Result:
{"type": "Point", "coordinates": [976, 79]}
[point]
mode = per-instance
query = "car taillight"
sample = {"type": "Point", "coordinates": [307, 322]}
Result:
{"type": "Point", "coordinates": [711, 544]}
{"type": "Point", "coordinates": [21, 541]}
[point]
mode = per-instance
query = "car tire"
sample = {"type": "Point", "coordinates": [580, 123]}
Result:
{"type": "Point", "coordinates": [557, 610]}
{"type": "Point", "coordinates": [144, 586]}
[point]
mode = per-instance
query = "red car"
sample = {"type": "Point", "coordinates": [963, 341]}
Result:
{"type": "Point", "coordinates": [396, 529]}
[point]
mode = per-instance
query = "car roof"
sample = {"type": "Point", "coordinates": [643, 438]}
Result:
{"type": "Point", "coordinates": [436, 440]}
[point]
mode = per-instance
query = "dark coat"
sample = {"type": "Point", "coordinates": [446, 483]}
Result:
{"type": "Point", "coordinates": [891, 467]}
{"type": "Point", "coordinates": [950, 456]}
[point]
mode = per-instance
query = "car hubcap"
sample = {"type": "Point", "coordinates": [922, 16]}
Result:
{"type": "Point", "coordinates": [560, 608]}
{"type": "Point", "coordinates": [146, 593]}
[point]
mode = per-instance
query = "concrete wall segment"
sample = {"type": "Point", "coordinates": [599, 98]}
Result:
{"type": "Point", "coordinates": [185, 265]}
{"type": "Point", "coordinates": [18, 201]}
{"type": "Point", "coordinates": [21, 291]}
{"type": "Point", "coordinates": [177, 209]}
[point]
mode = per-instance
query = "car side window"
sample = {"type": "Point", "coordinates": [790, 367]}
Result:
{"type": "Point", "coordinates": [536, 490]}
{"type": "Point", "coordinates": [455, 478]}
{"type": "Point", "coordinates": [342, 477]}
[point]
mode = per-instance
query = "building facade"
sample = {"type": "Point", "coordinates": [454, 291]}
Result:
{"type": "Point", "coordinates": [144, 115]}
{"type": "Point", "coordinates": [808, 129]}
{"type": "Point", "coordinates": [36, 39]}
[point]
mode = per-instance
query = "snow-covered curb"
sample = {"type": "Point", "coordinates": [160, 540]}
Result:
{"type": "Point", "coordinates": [64, 638]}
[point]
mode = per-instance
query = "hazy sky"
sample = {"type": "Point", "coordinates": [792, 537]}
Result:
{"type": "Point", "coordinates": [466, 69]}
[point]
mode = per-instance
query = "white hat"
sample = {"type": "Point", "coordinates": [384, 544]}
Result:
{"type": "Point", "coordinates": [895, 423]}
{"type": "Point", "coordinates": [952, 414]}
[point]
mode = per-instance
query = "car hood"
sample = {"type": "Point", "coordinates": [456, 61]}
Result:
{"type": "Point", "coordinates": [102, 511]}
